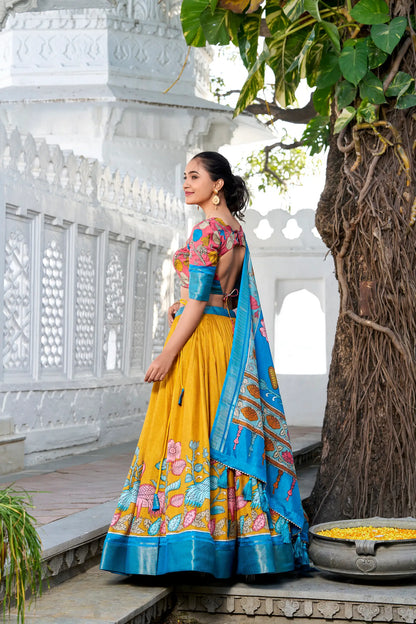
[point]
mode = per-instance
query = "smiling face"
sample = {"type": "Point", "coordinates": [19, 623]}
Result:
{"type": "Point", "coordinates": [197, 184]}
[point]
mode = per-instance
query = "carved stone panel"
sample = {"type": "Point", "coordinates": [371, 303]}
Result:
{"type": "Point", "coordinates": [114, 303]}
{"type": "Point", "coordinates": [52, 319]}
{"type": "Point", "coordinates": [17, 296]}
{"type": "Point", "coordinates": [85, 303]}
{"type": "Point", "coordinates": [140, 309]}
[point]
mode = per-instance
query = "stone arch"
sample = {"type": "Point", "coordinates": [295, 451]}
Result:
{"type": "Point", "coordinates": [300, 327]}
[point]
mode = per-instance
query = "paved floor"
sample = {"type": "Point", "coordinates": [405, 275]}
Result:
{"type": "Point", "coordinates": [70, 485]}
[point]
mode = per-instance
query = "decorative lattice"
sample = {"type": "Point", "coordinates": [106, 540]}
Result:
{"type": "Point", "coordinates": [139, 323]}
{"type": "Point", "coordinates": [16, 351]}
{"type": "Point", "coordinates": [114, 313]}
{"type": "Point", "coordinates": [85, 311]}
{"type": "Point", "coordinates": [52, 318]}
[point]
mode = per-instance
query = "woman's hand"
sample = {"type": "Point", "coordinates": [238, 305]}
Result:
{"type": "Point", "coordinates": [172, 311]}
{"type": "Point", "coordinates": [160, 366]}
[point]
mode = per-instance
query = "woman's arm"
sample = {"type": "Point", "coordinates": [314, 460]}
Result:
{"type": "Point", "coordinates": [187, 324]}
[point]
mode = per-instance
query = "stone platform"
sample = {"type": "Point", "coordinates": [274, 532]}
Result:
{"type": "Point", "coordinates": [312, 598]}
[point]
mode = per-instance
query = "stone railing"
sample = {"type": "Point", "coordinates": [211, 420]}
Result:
{"type": "Point", "coordinates": [87, 280]}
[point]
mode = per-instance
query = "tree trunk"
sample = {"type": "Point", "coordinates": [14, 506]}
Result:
{"type": "Point", "coordinates": [364, 217]}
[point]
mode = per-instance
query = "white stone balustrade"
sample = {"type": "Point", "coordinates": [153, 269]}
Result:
{"type": "Point", "coordinates": [291, 258]}
{"type": "Point", "coordinates": [86, 283]}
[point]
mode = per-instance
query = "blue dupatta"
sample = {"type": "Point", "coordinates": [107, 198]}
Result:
{"type": "Point", "coordinates": [250, 432]}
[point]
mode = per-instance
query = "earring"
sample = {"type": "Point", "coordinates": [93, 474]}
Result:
{"type": "Point", "coordinates": [215, 200]}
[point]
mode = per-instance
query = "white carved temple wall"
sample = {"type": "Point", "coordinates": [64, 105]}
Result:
{"type": "Point", "coordinates": [87, 280]}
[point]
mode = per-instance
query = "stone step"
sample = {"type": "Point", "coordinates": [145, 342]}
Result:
{"type": "Point", "coordinates": [312, 598]}
{"type": "Point", "coordinates": [97, 597]}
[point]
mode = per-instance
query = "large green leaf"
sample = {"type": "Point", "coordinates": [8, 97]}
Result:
{"type": "Point", "coordinates": [371, 12]}
{"type": "Point", "coordinates": [376, 57]}
{"type": "Point", "coordinates": [321, 100]}
{"type": "Point", "coordinates": [294, 9]}
{"type": "Point", "coordinates": [214, 26]}
{"type": "Point", "coordinates": [254, 82]}
{"type": "Point", "coordinates": [367, 112]}
{"type": "Point", "coordinates": [312, 7]}
{"type": "Point", "coordinates": [387, 36]}
{"type": "Point", "coordinates": [248, 37]}
{"type": "Point", "coordinates": [329, 71]}
{"type": "Point", "coordinates": [308, 43]}
{"type": "Point", "coordinates": [191, 21]}
{"type": "Point", "coordinates": [353, 60]}
{"type": "Point", "coordinates": [345, 93]}
{"type": "Point", "coordinates": [213, 5]}
{"type": "Point", "coordinates": [406, 101]}
{"type": "Point", "coordinates": [333, 34]}
{"type": "Point", "coordinates": [399, 85]}
{"type": "Point", "coordinates": [313, 62]}
{"type": "Point", "coordinates": [344, 118]}
{"type": "Point", "coordinates": [283, 52]}
{"type": "Point", "coordinates": [276, 20]}
{"type": "Point", "coordinates": [371, 88]}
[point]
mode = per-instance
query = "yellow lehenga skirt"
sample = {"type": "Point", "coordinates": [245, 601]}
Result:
{"type": "Point", "coordinates": [179, 510]}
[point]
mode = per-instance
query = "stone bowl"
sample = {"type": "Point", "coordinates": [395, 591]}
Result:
{"type": "Point", "coordinates": [364, 559]}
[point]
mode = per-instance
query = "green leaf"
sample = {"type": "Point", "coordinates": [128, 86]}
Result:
{"type": "Point", "coordinates": [371, 88]}
{"type": "Point", "coordinates": [294, 9]}
{"type": "Point", "coordinates": [344, 118]}
{"type": "Point", "coordinates": [214, 26]}
{"type": "Point", "coordinates": [313, 62]}
{"type": "Point", "coordinates": [312, 7]}
{"type": "Point", "coordinates": [376, 57]}
{"type": "Point", "coordinates": [406, 101]}
{"type": "Point", "coordinates": [387, 36]}
{"type": "Point", "coordinates": [329, 71]}
{"type": "Point", "coordinates": [316, 134]}
{"type": "Point", "coordinates": [248, 37]}
{"type": "Point", "coordinates": [308, 43]}
{"type": "Point", "coordinates": [371, 12]}
{"type": "Point", "coordinates": [333, 34]}
{"type": "Point", "coordinates": [321, 100]}
{"type": "Point", "coordinates": [282, 54]}
{"type": "Point", "coordinates": [345, 93]}
{"type": "Point", "coordinates": [353, 60]}
{"type": "Point", "coordinates": [367, 112]}
{"type": "Point", "coordinates": [276, 20]}
{"type": "Point", "coordinates": [213, 4]}
{"type": "Point", "coordinates": [399, 85]}
{"type": "Point", "coordinates": [191, 21]}
{"type": "Point", "coordinates": [254, 82]}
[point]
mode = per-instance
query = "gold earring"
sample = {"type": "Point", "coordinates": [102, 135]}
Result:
{"type": "Point", "coordinates": [215, 200]}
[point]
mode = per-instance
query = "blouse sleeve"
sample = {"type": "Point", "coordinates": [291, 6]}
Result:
{"type": "Point", "coordinates": [204, 251]}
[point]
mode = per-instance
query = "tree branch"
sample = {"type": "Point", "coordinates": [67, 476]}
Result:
{"type": "Point", "coordinates": [397, 62]}
{"type": "Point", "coordinates": [291, 115]}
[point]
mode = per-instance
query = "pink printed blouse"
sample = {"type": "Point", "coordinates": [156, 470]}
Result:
{"type": "Point", "coordinates": [196, 263]}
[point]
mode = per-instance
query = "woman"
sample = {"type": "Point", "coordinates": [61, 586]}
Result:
{"type": "Point", "coordinates": [212, 486]}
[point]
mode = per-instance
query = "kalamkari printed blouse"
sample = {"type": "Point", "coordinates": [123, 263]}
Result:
{"type": "Point", "coordinates": [196, 263]}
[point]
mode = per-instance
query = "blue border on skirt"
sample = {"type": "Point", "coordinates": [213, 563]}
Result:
{"type": "Point", "coordinates": [197, 551]}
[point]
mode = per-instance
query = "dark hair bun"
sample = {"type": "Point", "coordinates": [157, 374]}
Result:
{"type": "Point", "coordinates": [235, 190]}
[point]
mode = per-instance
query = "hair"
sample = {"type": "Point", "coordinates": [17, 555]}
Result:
{"type": "Point", "coordinates": [235, 190]}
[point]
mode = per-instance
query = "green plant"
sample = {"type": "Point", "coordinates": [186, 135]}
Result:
{"type": "Point", "coordinates": [20, 550]}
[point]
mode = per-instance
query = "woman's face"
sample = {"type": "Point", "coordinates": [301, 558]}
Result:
{"type": "Point", "coordinates": [197, 184]}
